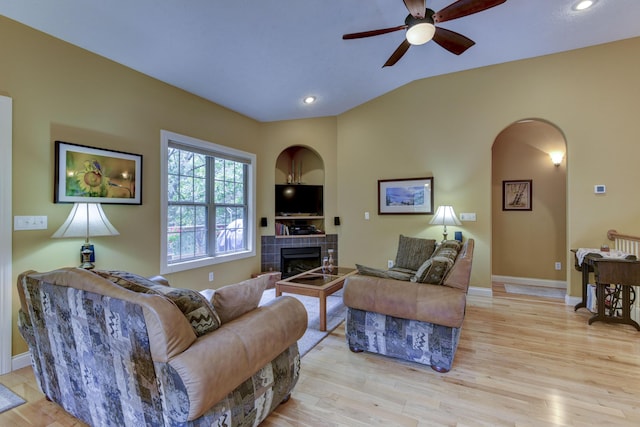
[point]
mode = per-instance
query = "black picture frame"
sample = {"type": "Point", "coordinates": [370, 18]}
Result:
{"type": "Point", "coordinates": [86, 174]}
{"type": "Point", "coordinates": [516, 195]}
{"type": "Point", "coordinates": [406, 196]}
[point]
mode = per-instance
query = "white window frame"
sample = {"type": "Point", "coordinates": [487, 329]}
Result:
{"type": "Point", "coordinates": [250, 227]}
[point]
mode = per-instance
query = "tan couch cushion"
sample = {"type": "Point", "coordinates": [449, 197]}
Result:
{"type": "Point", "coordinates": [233, 301]}
{"type": "Point", "coordinates": [441, 305]}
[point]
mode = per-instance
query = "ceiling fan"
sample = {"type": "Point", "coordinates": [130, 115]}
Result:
{"type": "Point", "coordinates": [420, 26]}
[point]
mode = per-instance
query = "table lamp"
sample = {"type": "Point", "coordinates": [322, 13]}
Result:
{"type": "Point", "coordinates": [85, 220]}
{"type": "Point", "coordinates": [445, 215]}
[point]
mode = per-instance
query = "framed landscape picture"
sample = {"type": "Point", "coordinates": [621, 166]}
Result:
{"type": "Point", "coordinates": [516, 195]}
{"type": "Point", "coordinates": [95, 175]}
{"type": "Point", "coordinates": [405, 196]}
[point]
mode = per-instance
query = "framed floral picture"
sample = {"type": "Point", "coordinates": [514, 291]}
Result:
{"type": "Point", "coordinates": [516, 195]}
{"type": "Point", "coordinates": [405, 196]}
{"type": "Point", "coordinates": [95, 175]}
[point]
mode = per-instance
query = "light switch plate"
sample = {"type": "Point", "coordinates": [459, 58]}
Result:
{"type": "Point", "coordinates": [29, 223]}
{"type": "Point", "coordinates": [468, 216]}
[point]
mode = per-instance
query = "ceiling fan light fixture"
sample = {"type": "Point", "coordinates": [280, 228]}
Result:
{"type": "Point", "coordinates": [420, 30]}
{"type": "Point", "coordinates": [584, 4]}
{"type": "Point", "coordinates": [420, 33]}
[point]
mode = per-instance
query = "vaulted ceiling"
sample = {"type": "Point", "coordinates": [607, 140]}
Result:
{"type": "Point", "coordinates": [261, 57]}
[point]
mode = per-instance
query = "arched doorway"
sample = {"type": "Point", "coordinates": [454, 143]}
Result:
{"type": "Point", "coordinates": [529, 241]}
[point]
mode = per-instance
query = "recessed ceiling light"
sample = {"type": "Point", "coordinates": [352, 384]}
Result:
{"type": "Point", "coordinates": [584, 4]}
{"type": "Point", "coordinates": [309, 99]}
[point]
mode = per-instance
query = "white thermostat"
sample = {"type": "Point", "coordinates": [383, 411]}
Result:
{"type": "Point", "coordinates": [599, 189]}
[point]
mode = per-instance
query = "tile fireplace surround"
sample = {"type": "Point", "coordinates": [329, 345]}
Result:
{"type": "Point", "coordinates": [270, 260]}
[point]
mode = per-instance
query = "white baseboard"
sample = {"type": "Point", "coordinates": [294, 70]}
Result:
{"type": "Point", "coordinates": [561, 284]}
{"type": "Point", "coordinates": [569, 300]}
{"type": "Point", "coordinates": [20, 361]}
{"type": "Point", "coordinates": [482, 292]}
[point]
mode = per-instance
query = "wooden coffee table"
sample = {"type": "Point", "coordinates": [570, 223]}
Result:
{"type": "Point", "coordinates": [316, 283]}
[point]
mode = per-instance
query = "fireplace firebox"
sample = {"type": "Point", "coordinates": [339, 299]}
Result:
{"type": "Point", "coordinates": [298, 260]}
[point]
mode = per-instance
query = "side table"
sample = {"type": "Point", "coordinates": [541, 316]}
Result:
{"type": "Point", "coordinates": [623, 274]}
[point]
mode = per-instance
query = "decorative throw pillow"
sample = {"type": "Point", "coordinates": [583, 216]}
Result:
{"type": "Point", "coordinates": [196, 308]}
{"type": "Point", "coordinates": [413, 251]}
{"type": "Point", "coordinates": [423, 270]}
{"type": "Point", "coordinates": [405, 275]}
{"type": "Point", "coordinates": [232, 301]}
{"type": "Point", "coordinates": [448, 244]}
{"type": "Point", "coordinates": [370, 271]}
{"type": "Point", "coordinates": [434, 270]}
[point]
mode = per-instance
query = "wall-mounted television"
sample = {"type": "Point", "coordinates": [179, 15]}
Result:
{"type": "Point", "coordinates": [299, 199]}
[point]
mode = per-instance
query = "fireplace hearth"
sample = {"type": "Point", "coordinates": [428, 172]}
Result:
{"type": "Point", "coordinates": [298, 260]}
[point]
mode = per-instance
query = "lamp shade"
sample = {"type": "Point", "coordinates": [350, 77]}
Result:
{"type": "Point", "coordinates": [445, 215]}
{"type": "Point", "coordinates": [85, 220]}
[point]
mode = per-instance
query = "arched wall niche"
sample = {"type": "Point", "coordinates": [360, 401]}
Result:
{"type": "Point", "coordinates": [527, 244]}
{"type": "Point", "coordinates": [299, 164]}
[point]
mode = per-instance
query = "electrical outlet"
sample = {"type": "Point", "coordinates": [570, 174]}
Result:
{"type": "Point", "coordinates": [366, 216]}
{"type": "Point", "coordinates": [389, 263]}
{"type": "Point", "coordinates": [558, 266]}
{"type": "Point", "coordinates": [211, 276]}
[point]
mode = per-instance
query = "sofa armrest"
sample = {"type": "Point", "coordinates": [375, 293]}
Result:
{"type": "Point", "coordinates": [220, 361]}
{"type": "Point", "coordinates": [460, 274]}
{"type": "Point", "coordinates": [441, 305]}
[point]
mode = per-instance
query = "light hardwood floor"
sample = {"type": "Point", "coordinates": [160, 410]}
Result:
{"type": "Point", "coordinates": [522, 361]}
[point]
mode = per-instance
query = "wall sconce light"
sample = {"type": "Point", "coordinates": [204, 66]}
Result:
{"type": "Point", "coordinates": [556, 157]}
{"type": "Point", "coordinates": [85, 220]}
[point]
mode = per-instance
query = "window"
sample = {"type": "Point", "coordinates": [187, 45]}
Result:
{"type": "Point", "coordinates": [207, 203]}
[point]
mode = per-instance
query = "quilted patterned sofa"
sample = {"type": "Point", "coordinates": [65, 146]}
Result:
{"type": "Point", "coordinates": [116, 349]}
{"type": "Point", "coordinates": [415, 311]}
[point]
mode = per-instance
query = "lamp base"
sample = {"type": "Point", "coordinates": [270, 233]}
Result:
{"type": "Point", "coordinates": [87, 254]}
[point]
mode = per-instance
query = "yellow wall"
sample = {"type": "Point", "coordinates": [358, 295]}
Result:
{"type": "Point", "coordinates": [443, 126]}
{"type": "Point", "coordinates": [61, 92]}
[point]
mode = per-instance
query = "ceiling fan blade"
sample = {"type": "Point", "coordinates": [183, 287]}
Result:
{"type": "Point", "coordinates": [399, 52]}
{"type": "Point", "coordinates": [452, 41]}
{"type": "Point", "coordinates": [463, 8]}
{"type": "Point", "coordinates": [416, 8]}
{"type": "Point", "coordinates": [373, 32]}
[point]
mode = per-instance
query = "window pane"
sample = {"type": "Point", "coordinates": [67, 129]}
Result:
{"type": "Point", "coordinates": [186, 163]}
{"type": "Point", "coordinates": [239, 194]}
{"type": "Point", "coordinates": [173, 189]}
{"type": "Point", "coordinates": [198, 185]}
{"type": "Point", "coordinates": [173, 219]}
{"type": "Point", "coordinates": [219, 169]}
{"type": "Point", "coordinates": [229, 229]}
{"type": "Point", "coordinates": [200, 190]}
{"type": "Point", "coordinates": [187, 247]}
{"type": "Point", "coordinates": [173, 164]}
{"type": "Point", "coordinates": [200, 166]}
{"type": "Point", "coordinates": [173, 247]}
{"type": "Point", "coordinates": [186, 189]}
